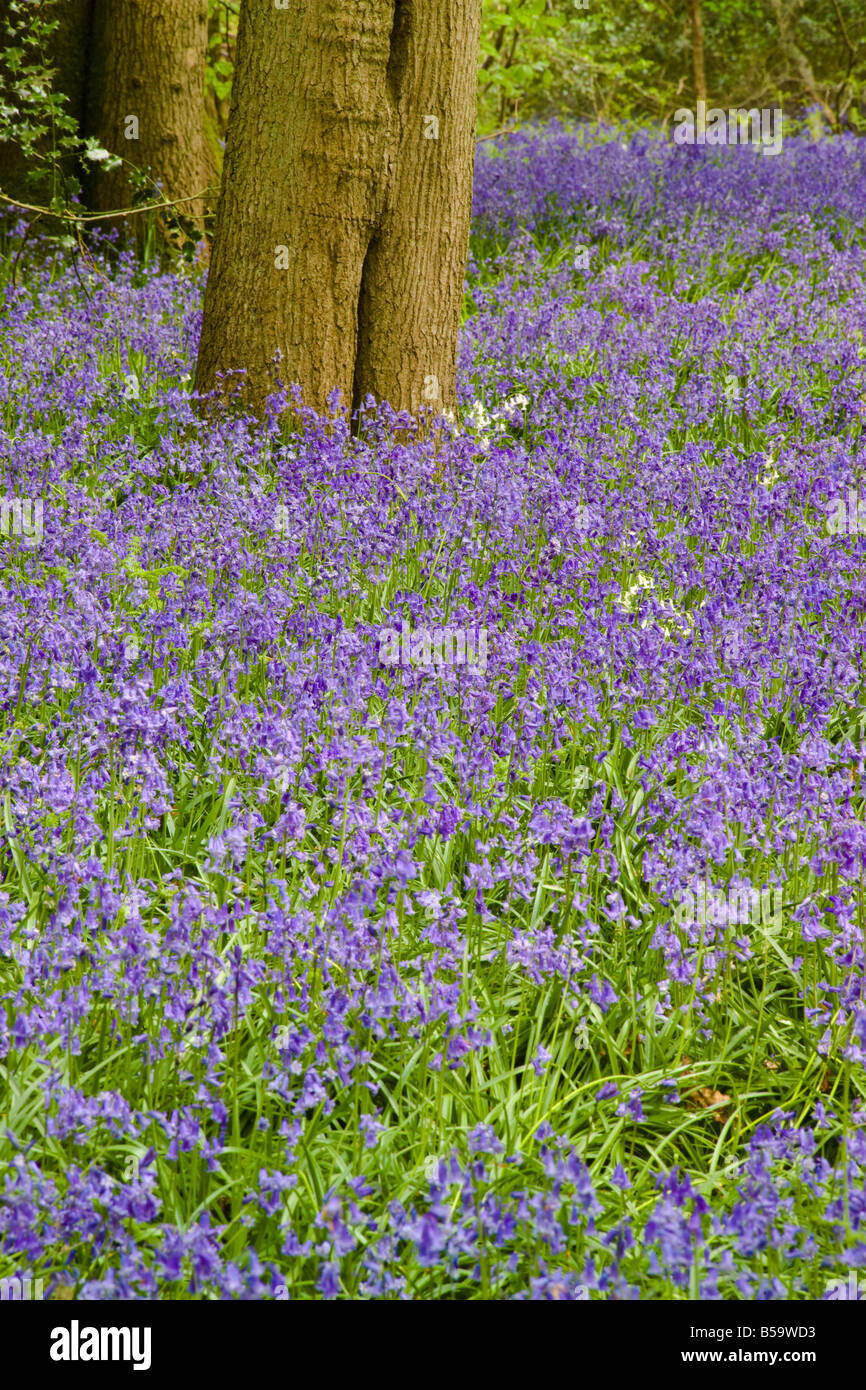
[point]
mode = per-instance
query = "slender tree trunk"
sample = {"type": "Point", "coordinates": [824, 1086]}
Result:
{"type": "Point", "coordinates": [145, 97]}
{"type": "Point", "coordinates": [799, 60]}
{"type": "Point", "coordinates": [216, 108]}
{"type": "Point", "coordinates": [698, 69]}
{"type": "Point", "coordinates": [342, 229]}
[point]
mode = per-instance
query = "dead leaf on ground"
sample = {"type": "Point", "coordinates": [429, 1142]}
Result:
{"type": "Point", "coordinates": [703, 1097]}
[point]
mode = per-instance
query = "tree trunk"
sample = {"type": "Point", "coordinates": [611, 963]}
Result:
{"type": "Point", "coordinates": [145, 98]}
{"type": "Point", "coordinates": [799, 61]}
{"type": "Point", "coordinates": [216, 109]}
{"type": "Point", "coordinates": [342, 228]}
{"type": "Point", "coordinates": [68, 57]}
{"type": "Point", "coordinates": [698, 69]}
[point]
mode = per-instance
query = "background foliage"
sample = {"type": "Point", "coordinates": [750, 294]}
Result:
{"type": "Point", "coordinates": [632, 59]}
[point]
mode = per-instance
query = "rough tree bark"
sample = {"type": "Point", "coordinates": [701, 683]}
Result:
{"type": "Point", "coordinates": [342, 228]}
{"type": "Point", "coordinates": [145, 97]}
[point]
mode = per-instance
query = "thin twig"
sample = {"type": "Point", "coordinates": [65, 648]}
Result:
{"type": "Point", "coordinates": [103, 216]}
{"type": "Point", "coordinates": [508, 130]}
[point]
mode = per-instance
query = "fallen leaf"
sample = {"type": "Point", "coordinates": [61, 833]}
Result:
{"type": "Point", "coordinates": [703, 1097]}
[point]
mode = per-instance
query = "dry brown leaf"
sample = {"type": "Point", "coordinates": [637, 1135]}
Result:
{"type": "Point", "coordinates": [703, 1097]}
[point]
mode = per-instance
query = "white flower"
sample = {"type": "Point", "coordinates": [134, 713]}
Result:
{"type": "Point", "coordinates": [477, 416]}
{"type": "Point", "coordinates": [516, 402]}
{"type": "Point", "coordinates": [644, 581]}
{"type": "Point", "coordinates": [770, 474]}
{"type": "Point", "coordinates": [131, 388]}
